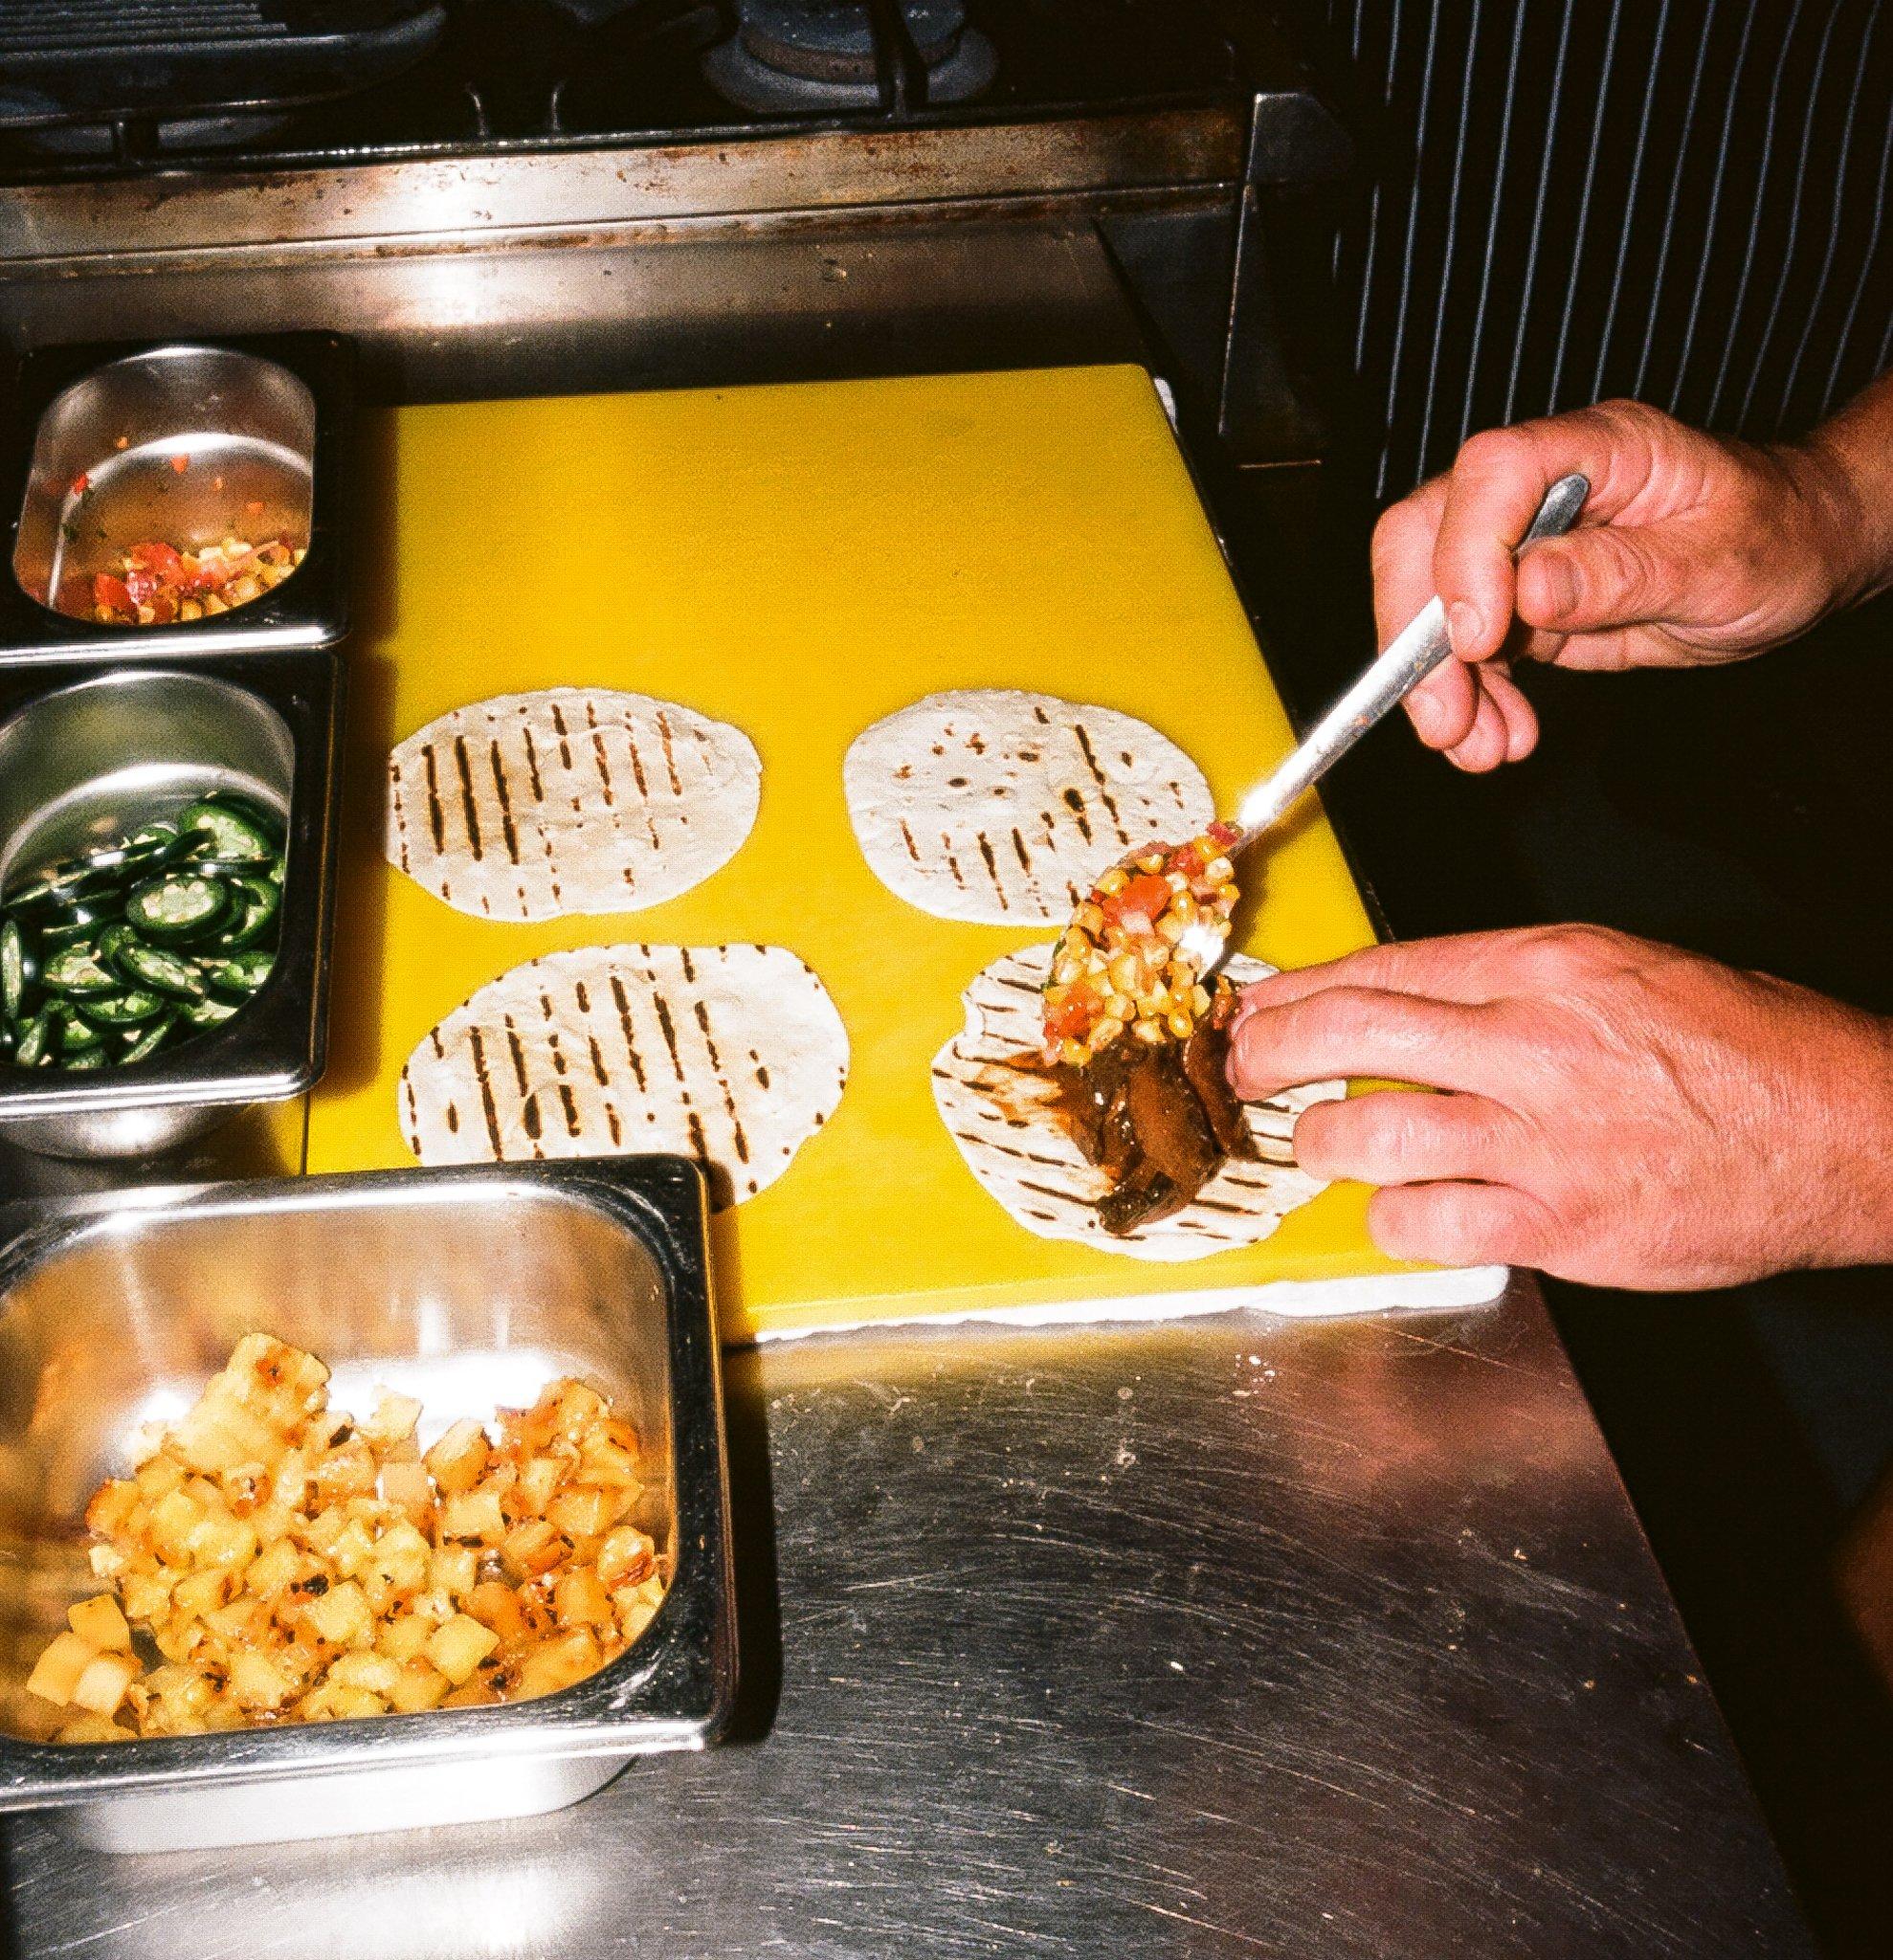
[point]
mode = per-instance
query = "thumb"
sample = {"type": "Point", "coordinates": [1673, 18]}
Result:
{"type": "Point", "coordinates": [1601, 578]}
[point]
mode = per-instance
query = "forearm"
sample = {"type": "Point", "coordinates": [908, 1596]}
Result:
{"type": "Point", "coordinates": [1845, 472]}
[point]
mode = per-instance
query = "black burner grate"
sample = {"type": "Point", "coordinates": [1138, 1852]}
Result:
{"type": "Point", "coordinates": [67, 60]}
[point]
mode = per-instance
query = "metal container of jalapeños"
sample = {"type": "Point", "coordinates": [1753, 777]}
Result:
{"type": "Point", "coordinates": [166, 866]}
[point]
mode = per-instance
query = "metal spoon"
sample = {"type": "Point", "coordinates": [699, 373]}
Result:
{"type": "Point", "coordinates": [1414, 652]}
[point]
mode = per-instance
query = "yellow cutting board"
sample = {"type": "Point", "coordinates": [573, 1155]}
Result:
{"type": "Point", "coordinates": [802, 561]}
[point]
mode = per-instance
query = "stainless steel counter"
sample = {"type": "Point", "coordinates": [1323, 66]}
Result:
{"type": "Point", "coordinates": [1239, 1636]}
{"type": "Point", "coordinates": [1232, 1636]}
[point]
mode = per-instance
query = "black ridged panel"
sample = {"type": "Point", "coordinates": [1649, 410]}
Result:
{"type": "Point", "coordinates": [1681, 200]}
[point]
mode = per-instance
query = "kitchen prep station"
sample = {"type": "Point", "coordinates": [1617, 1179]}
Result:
{"type": "Point", "coordinates": [736, 460]}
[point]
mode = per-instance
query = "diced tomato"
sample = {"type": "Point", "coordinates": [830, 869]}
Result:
{"type": "Point", "coordinates": [255, 506]}
{"type": "Point", "coordinates": [163, 607]}
{"type": "Point", "coordinates": [1143, 897]}
{"type": "Point", "coordinates": [1071, 1018]}
{"type": "Point", "coordinates": [1225, 833]}
{"type": "Point", "coordinates": [154, 556]}
{"type": "Point", "coordinates": [1189, 861]}
{"type": "Point", "coordinates": [81, 483]}
{"type": "Point", "coordinates": [107, 591]}
{"type": "Point", "coordinates": [180, 463]}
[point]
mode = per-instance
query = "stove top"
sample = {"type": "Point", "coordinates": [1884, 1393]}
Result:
{"type": "Point", "coordinates": [512, 76]}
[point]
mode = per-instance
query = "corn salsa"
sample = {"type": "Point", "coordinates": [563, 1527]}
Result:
{"type": "Point", "coordinates": [1117, 971]}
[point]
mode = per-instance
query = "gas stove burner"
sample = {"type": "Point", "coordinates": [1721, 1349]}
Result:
{"type": "Point", "coordinates": [813, 57]}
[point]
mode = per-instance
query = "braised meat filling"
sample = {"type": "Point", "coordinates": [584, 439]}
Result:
{"type": "Point", "coordinates": [1159, 1122]}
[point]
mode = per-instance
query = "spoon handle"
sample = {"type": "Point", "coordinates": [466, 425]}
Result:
{"type": "Point", "coordinates": [1413, 654]}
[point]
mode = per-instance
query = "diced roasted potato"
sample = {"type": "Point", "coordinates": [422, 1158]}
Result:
{"type": "Point", "coordinates": [458, 1647]}
{"type": "Point", "coordinates": [532, 1548]}
{"type": "Point", "coordinates": [98, 1622]}
{"type": "Point", "coordinates": [418, 1686]}
{"type": "Point", "coordinates": [583, 1511]}
{"type": "Point", "coordinates": [258, 1683]}
{"type": "Point", "coordinates": [58, 1671]}
{"type": "Point", "coordinates": [102, 1685]}
{"type": "Point", "coordinates": [375, 1672]}
{"type": "Point", "coordinates": [454, 1569]}
{"type": "Point", "coordinates": [457, 1460]}
{"type": "Point", "coordinates": [393, 1419]}
{"type": "Point", "coordinates": [579, 1599]}
{"type": "Point", "coordinates": [89, 1728]}
{"type": "Point", "coordinates": [341, 1616]}
{"type": "Point", "coordinates": [293, 1565]}
{"type": "Point", "coordinates": [408, 1486]}
{"type": "Point", "coordinates": [558, 1662]}
{"type": "Point", "coordinates": [473, 1516]}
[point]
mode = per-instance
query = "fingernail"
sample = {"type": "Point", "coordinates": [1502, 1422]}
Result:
{"type": "Point", "coordinates": [1464, 625]}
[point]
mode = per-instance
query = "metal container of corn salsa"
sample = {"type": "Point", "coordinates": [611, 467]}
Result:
{"type": "Point", "coordinates": [178, 448]}
{"type": "Point", "coordinates": [92, 755]}
{"type": "Point", "coordinates": [468, 1288]}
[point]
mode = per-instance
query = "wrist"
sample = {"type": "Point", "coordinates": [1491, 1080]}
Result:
{"type": "Point", "coordinates": [1842, 480]}
{"type": "Point", "coordinates": [1846, 535]}
{"type": "Point", "coordinates": [1860, 1177]}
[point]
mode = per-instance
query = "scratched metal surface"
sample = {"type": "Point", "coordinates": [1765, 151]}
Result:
{"type": "Point", "coordinates": [1227, 1638]}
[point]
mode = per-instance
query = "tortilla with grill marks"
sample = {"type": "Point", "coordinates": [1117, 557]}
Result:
{"type": "Point", "coordinates": [732, 1055]}
{"type": "Point", "coordinates": [1002, 1118]}
{"type": "Point", "coordinates": [527, 806]}
{"type": "Point", "coordinates": [1004, 807]}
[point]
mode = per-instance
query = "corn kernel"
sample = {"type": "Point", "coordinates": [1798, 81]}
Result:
{"type": "Point", "coordinates": [1090, 919]}
{"type": "Point", "coordinates": [1169, 928]}
{"type": "Point", "coordinates": [1180, 1025]}
{"type": "Point", "coordinates": [1106, 1032]}
{"type": "Point", "coordinates": [1152, 1032]}
{"type": "Point", "coordinates": [1124, 971]}
{"type": "Point", "coordinates": [1153, 862]}
{"type": "Point", "coordinates": [1176, 882]}
{"type": "Point", "coordinates": [1199, 999]}
{"type": "Point", "coordinates": [1112, 883]}
{"type": "Point", "coordinates": [1072, 1053]}
{"type": "Point", "coordinates": [1218, 870]}
{"type": "Point", "coordinates": [1066, 970]}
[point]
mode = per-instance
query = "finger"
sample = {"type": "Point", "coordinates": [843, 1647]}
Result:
{"type": "Point", "coordinates": [1494, 489]}
{"type": "Point", "coordinates": [1519, 717]}
{"type": "Point", "coordinates": [1396, 1137]}
{"type": "Point", "coordinates": [1457, 1224]}
{"type": "Point", "coordinates": [1444, 705]}
{"type": "Point", "coordinates": [1484, 745]}
{"type": "Point", "coordinates": [1607, 577]}
{"type": "Point", "coordinates": [1402, 557]}
{"type": "Point", "coordinates": [1358, 1031]}
{"type": "Point", "coordinates": [1470, 968]}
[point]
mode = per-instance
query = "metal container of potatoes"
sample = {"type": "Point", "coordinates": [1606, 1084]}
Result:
{"type": "Point", "coordinates": [470, 1289]}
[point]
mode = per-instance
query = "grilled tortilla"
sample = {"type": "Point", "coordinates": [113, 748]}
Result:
{"type": "Point", "coordinates": [1004, 807]}
{"type": "Point", "coordinates": [732, 1055]}
{"type": "Point", "coordinates": [572, 801]}
{"type": "Point", "coordinates": [1003, 1113]}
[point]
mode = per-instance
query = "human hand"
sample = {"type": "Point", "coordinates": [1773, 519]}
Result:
{"type": "Point", "coordinates": [1615, 1111]}
{"type": "Point", "coordinates": [1691, 550]}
